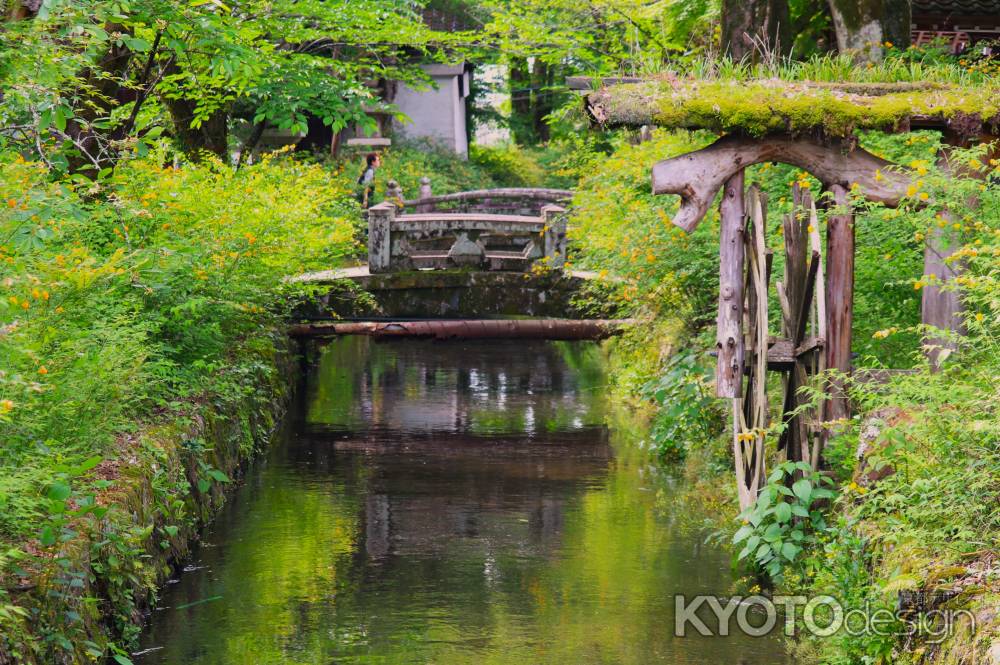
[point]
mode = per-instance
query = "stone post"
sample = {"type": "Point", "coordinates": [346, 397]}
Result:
{"type": "Point", "coordinates": [425, 193]}
{"type": "Point", "coordinates": [380, 218]}
{"type": "Point", "coordinates": [554, 235]}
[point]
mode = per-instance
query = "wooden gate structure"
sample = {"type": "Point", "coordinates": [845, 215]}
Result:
{"type": "Point", "coordinates": [810, 126]}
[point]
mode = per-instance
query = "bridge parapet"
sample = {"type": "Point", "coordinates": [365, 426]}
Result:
{"type": "Point", "coordinates": [483, 241]}
{"type": "Point", "coordinates": [507, 200]}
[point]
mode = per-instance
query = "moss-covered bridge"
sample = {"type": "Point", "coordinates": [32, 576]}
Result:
{"type": "Point", "coordinates": [485, 263]}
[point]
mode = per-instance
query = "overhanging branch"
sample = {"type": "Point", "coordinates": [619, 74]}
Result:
{"type": "Point", "coordinates": [697, 176]}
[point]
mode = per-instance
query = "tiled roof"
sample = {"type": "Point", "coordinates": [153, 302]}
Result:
{"type": "Point", "coordinates": [958, 8]}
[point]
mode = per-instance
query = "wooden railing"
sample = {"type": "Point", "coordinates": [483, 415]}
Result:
{"type": "Point", "coordinates": [483, 241]}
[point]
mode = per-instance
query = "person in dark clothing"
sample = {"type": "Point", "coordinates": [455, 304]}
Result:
{"type": "Point", "coordinates": [366, 181]}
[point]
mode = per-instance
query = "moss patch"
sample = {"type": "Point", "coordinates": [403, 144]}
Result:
{"type": "Point", "coordinates": [760, 107]}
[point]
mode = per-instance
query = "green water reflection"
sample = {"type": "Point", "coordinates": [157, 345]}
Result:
{"type": "Point", "coordinates": [449, 503]}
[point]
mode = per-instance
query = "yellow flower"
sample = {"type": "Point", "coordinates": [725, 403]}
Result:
{"type": "Point", "coordinates": [924, 196]}
{"type": "Point", "coordinates": [979, 317]}
{"type": "Point", "coordinates": [6, 406]}
{"type": "Point", "coordinates": [878, 175]}
{"type": "Point", "coordinates": [911, 190]}
{"type": "Point", "coordinates": [917, 286]}
{"type": "Point", "coordinates": [43, 370]}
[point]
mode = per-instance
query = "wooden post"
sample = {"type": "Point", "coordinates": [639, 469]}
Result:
{"type": "Point", "coordinates": [380, 218]}
{"type": "Point", "coordinates": [425, 193]}
{"type": "Point", "coordinates": [839, 297]}
{"type": "Point", "coordinates": [941, 307]}
{"type": "Point", "coordinates": [729, 332]}
{"type": "Point", "coordinates": [555, 235]}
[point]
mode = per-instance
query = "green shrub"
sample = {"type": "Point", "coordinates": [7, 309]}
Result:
{"type": "Point", "coordinates": [508, 165]}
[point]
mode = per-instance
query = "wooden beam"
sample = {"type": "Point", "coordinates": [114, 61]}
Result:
{"type": "Point", "coordinates": [556, 329]}
{"type": "Point", "coordinates": [729, 333]}
{"type": "Point", "coordinates": [698, 176]}
{"type": "Point", "coordinates": [839, 297]}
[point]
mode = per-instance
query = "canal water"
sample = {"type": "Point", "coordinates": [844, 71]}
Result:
{"type": "Point", "coordinates": [450, 503]}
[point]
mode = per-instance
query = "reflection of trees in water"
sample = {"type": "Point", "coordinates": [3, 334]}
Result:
{"type": "Point", "coordinates": [423, 505]}
{"type": "Point", "coordinates": [487, 386]}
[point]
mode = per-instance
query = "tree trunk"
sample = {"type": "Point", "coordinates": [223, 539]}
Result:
{"type": "Point", "coordinates": [521, 124]}
{"type": "Point", "coordinates": [755, 29]}
{"type": "Point", "coordinates": [865, 27]}
{"type": "Point", "coordinates": [212, 135]}
{"type": "Point", "coordinates": [541, 98]}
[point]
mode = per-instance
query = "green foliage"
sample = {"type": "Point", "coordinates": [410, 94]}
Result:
{"type": "Point", "coordinates": [688, 412]}
{"type": "Point", "coordinates": [510, 166]}
{"type": "Point", "coordinates": [786, 519]}
{"type": "Point", "coordinates": [119, 304]}
{"type": "Point", "coordinates": [91, 81]}
{"type": "Point", "coordinates": [127, 304]}
{"type": "Point", "coordinates": [409, 161]}
{"type": "Point", "coordinates": [621, 230]}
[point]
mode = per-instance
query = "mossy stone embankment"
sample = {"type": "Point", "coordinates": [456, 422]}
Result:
{"type": "Point", "coordinates": [167, 481]}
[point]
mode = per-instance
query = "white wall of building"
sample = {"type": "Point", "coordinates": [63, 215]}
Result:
{"type": "Point", "coordinates": [437, 113]}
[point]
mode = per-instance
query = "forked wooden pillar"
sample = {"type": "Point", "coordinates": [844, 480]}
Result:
{"type": "Point", "coordinates": [729, 329]}
{"type": "Point", "coordinates": [839, 297]}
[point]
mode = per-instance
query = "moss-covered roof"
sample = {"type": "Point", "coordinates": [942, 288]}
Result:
{"type": "Point", "coordinates": [769, 106]}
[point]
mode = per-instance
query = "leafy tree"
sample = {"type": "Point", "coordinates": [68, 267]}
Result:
{"type": "Point", "coordinates": [89, 79]}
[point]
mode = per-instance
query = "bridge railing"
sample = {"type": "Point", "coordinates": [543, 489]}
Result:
{"type": "Point", "coordinates": [484, 241]}
{"type": "Point", "coordinates": [507, 200]}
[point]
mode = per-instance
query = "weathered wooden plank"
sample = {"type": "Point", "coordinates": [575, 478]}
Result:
{"type": "Point", "coordinates": [839, 297]}
{"type": "Point", "coordinates": [729, 333]}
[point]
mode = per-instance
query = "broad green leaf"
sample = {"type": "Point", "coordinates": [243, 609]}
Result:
{"type": "Point", "coordinates": [803, 489]}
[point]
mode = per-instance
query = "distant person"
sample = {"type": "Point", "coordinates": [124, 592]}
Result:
{"type": "Point", "coordinates": [366, 181]}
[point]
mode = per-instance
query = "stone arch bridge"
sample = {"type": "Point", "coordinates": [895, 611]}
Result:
{"type": "Point", "coordinates": [482, 264]}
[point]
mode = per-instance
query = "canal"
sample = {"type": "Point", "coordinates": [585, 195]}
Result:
{"type": "Point", "coordinates": [450, 502]}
